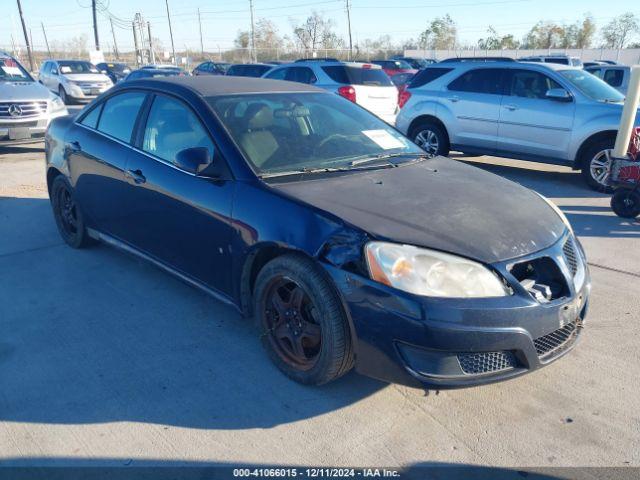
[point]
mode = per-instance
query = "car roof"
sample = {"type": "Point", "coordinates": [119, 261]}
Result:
{"type": "Point", "coordinates": [251, 65]}
{"type": "Point", "coordinates": [210, 86]}
{"type": "Point", "coordinates": [338, 63]}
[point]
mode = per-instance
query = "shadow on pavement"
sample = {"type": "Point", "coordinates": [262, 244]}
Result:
{"type": "Point", "coordinates": [95, 335]}
{"type": "Point", "coordinates": [18, 149]}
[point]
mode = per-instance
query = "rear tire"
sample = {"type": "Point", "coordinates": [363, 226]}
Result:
{"type": "Point", "coordinates": [595, 166]}
{"type": "Point", "coordinates": [626, 203]}
{"type": "Point", "coordinates": [67, 214]}
{"type": "Point", "coordinates": [304, 326]}
{"type": "Point", "coordinates": [431, 137]}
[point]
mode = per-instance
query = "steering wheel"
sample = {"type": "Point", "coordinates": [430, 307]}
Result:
{"type": "Point", "coordinates": [331, 138]}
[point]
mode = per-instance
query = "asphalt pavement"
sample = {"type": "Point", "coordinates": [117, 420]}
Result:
{"type": "Point", "coordinates": [106, 360]}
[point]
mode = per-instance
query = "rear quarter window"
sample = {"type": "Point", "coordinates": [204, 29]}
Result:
{"type": "Point", "coordinates": [428, 75]}
{"type": "Point", "coordinates": [358, 76]}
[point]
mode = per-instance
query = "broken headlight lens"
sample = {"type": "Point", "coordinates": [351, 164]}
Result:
{"type": "Point", "coordinates": [431, 273]}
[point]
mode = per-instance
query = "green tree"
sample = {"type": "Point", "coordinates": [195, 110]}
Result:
{"type": "Point", "coordinates": [441, 34]}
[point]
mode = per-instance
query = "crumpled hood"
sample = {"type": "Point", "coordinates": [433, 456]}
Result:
{"type": "Point", "coordinates": [23, 91]}
{"type": "Point", "coordinates": [438, 203]}
{"type": "Point", "coordinates": [86, 77]}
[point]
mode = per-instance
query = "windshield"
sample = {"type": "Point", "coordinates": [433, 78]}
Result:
{"type": "Point", "coordinates": [12, 71]}
{"type": "Point", "coordinates": [75, 66]}
{"type": "Point", "coordinates": [286, 132]}
{"type": "Point", "coordinates": [592, 86]}
{"type": "Point", "coordinates": [118, 67]}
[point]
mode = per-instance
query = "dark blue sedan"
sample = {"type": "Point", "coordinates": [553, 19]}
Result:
{"type": "Point", "coordinates": [345, 242]}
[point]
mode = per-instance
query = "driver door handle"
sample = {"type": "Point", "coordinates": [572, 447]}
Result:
{"type": "Point", "coordinates": [454, 99]}
{"type": "Point", "coordinates": [75, 146]}
{"type": "Point", "coordinates": [511, 107]}
{"type": "Point", "coordinates": [136, 176]}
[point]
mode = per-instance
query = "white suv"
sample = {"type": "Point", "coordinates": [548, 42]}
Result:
{"type": "Point", "coordinates": [74, 80]}
{"type": "Point", "coordinates": [544, 112]}
{"type": "Point", "coordinates": [26, 107]}
{"type": "Point", "coordinates": [363, 83]}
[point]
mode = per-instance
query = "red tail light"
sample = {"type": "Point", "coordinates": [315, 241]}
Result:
{"type": "Point", "coordinates": [403, 96]}
{"type": "Point", "coordinates": [348, 92]}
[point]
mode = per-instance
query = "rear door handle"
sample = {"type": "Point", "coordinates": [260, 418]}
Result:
{"type": "Point", "coordinates": [136, 176]}
{"type": "Point", "coordinates": [511, 107]}
{"type": "Point", "coordinates": [454, 99]}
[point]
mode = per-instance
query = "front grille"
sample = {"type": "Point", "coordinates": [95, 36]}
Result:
{"type": "Point", "coordinates": [28, 109]}
{"type": "Point", "coordinates": [486, 362]}
{"type": "Point", "coordinates": [571, 255]}
{"type": "Point", "coordinates": [555, 342]}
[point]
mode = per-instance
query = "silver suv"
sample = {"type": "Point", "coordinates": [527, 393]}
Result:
{"type": "Point", "coordinates": [26, 107]}
{"type": "Point", "coordinates": [543, 112]}
{"type": "Point", "coordinates": [74, 80]}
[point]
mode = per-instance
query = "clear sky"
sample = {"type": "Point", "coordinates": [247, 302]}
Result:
{"type": "Point", "coordinates": [222, 19]}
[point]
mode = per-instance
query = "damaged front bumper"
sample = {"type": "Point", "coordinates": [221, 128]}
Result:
{"type": "Point", "coordinates": [440, 343]}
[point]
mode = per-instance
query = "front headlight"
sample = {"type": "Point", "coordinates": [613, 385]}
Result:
{"type": "Point", "coordinates": [560, 213]}
{"type": "Point", "coordinates": [431, 273]}
{"type": "Point", "coordinates": [57, 104]}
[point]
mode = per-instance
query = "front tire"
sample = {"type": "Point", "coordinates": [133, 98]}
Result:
{"type": "Point", "coordinates": [62, 93]}
{"type": "Point", "coordinates": [431, 137]}
{"type": "Point", "coordinates": [626, 203]}
{"type": "Point", "coordinates": [304, 327]}
{"type": "Point", "coordinates": [67, 214]}
{"type": "Point", "coordinates": [596, 165]}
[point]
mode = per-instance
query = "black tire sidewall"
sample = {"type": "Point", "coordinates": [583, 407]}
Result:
{"type": "Point", "coordinates": [335, 357]}
{"type": "Point", "coordinates": [80, 238]}
{"type": "Point", "coordinates": [443, 140]}
{"type": "Point", "coordinates": [63, 95]}
{"type": "Point", "coordinates": [589, 154]}
{"type": "Point", "coordinates": [622, 210]}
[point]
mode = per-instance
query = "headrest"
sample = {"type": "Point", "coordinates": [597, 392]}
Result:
{"type": "Point", "coordinates": [258, 115]}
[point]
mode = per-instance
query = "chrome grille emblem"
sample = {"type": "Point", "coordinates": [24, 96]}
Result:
{"type": "Point", "coordinates": [15, 110]}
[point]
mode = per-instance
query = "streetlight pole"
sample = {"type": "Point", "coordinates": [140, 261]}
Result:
{"type": "Point", "coordinates": [26, 36]}
{"type": "Point", "coordinates": [173, 48]}
{"type": "Point", "coordinates": [95, 24]}
{"type": "Point", "coordinates": [253, 34]}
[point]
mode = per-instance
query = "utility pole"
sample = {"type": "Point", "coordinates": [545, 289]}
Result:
{"type": "Point", "coordinates": [26, 37]}
{"type": "Point", "coordinates": [115, 45]}
{"type": "Point", "coordinates": [173, 48]}
{"type": "Point", "coordinates": [45, 39]}
{"type": "Point", "coordinates": [135, 42]}
{"type": "Point", "coordinates": [349, 23]}
{"type": "Point", "coordinates": [95, 24]}
{"type": "Point", "coordinates": [253, 34]}
{"type": "Point", "coordinates": [201, 44]}
{"type": "Point", "coordinates": [152, 56]}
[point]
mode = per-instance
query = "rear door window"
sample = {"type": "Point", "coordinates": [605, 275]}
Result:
{"type": "Point", "coordinates": [119, 115]}
{"type": "Point", "coordinates": [428, 75]}
{"type": "Point", "coordinates": [480, 80]}
{"type": "Point", "coordinates": [279, 74]}
{"type": "Point", "coordinates": [301, 75]}
{"type": "Point", "coordinates": [613, 77]}
{"type": "Point", "coordinates": [358, 76]}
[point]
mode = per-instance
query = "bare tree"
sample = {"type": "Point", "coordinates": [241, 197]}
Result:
{"type": "Point", "coordinates": [316, 33]}
{"type": "Point", "coordinates": [618, 32]}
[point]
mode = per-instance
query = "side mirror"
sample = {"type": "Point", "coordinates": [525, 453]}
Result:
{"type": "Point", "coordinates": [194, 160]}
{"type": "Point", "coordinates": [54, 71]}
{"type": "Point", "coordinates": [558, 95]}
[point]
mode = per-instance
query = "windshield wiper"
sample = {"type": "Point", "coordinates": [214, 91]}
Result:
{"type": "Point", "coordinates": [300, 171]}
{"type": "Point", "coordinates": [386, 156]}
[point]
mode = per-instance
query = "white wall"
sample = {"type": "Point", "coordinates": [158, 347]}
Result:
{"type": "Point", "coordinates": [627, 56]}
